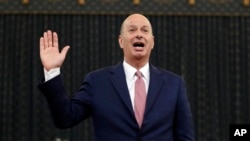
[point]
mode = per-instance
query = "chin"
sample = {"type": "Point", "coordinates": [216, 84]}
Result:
{"type": "Point", "coordinates": [139, 57]}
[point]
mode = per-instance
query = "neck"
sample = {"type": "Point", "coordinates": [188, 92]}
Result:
{"type": "Point", "coordinates": [138, 64]}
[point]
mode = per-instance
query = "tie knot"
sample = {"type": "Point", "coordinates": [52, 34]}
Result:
{"type": "Point", "coordinates": [138, 74]}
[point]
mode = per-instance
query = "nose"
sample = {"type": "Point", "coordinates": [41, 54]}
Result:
{"type": "Point", "coordinates": [138, 36]}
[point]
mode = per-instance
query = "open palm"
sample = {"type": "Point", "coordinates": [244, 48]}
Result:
{"type": "Point", "coordinates": [50, 55]}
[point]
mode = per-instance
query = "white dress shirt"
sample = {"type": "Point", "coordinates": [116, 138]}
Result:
{"type": "Point", "coordinates": [131, 78]}
{"type": "Point", "coordinates": [51, 73]}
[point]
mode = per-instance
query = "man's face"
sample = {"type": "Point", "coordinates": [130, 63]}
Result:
{"type": "Point", "coordinates": [136, 38]}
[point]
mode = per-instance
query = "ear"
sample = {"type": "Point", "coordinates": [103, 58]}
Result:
{"type": "Point", "coordinates": [120, 40]}
{"type": "Point", "coordinates": [153, 42]}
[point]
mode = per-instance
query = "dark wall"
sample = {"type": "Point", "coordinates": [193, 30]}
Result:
{"type": "Point", "coordinates": [181, 7]}
{"type": "Point", "coordinates": [212, 53]}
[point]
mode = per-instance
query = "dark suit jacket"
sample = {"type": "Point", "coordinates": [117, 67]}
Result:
{"type": "Point", "coordinates": [104, 96]}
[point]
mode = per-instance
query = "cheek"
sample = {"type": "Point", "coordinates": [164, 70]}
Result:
{"type": "Point", "coordinates": [126, 44]}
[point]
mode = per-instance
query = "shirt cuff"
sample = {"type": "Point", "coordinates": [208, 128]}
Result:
{"type": "Point", "coordinates": [48, 75]}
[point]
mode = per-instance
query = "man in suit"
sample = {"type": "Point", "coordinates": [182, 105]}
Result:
{"type": "Point", "coordinates": [109, 95]}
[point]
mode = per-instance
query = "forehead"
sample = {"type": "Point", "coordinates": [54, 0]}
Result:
{"type": "Point", "coordinates": [137, 20]}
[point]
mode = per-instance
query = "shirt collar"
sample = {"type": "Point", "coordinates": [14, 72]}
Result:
{"type": "Point", "coordinates": [130, 71]}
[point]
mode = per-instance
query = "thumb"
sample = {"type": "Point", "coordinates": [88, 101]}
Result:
{"type": "Point", "coordinates": [65, 50]}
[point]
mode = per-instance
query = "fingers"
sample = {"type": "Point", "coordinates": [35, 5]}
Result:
{"type": "Point", "coordinates": [55, 40]}
{"type": "Point", "coordinates": [41, 43]}
{"type": "Point", "coordinates": [65, 50]}
{"type": "Point", "coordinates": [45, 40]}
{"type": "Point", "coordinates": [50, 39]}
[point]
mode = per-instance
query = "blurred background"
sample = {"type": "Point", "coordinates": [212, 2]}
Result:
{"type": "Point", "coordinates": [207, 42]}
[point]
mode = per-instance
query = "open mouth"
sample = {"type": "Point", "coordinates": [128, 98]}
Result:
{"type": "Point", "coordinates": [138, 44]}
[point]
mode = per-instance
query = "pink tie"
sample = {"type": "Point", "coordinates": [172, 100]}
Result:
{"type": "Point", "coordinates": [140, 98]}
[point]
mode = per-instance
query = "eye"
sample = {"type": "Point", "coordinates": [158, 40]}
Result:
{"type": "Point", "coordinates": [131, 30]}
{"type": "Point", "coordinates": [145, 30]}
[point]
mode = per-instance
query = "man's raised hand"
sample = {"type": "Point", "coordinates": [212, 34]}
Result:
{"type": "Point", "coordinates": [50, 55]}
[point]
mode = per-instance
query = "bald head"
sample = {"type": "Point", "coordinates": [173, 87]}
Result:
{"type": "Point", "coordinates": [135, 18]}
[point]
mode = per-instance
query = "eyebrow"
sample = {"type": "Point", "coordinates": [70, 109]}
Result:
{"type": "Point", "coordinates": [145, 26]}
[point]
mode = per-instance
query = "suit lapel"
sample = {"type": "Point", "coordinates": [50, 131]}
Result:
{"type": "Point", "coordinates": [117, 77]}
{"type": "Point", "coordinates": [155, 84]}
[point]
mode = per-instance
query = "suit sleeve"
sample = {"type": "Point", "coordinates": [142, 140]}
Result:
{"type": "Point", "coordinates": [184, 129]}
{"type": "Point", "coordinates": [67, 112]}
